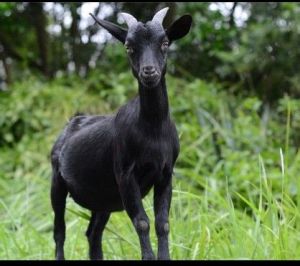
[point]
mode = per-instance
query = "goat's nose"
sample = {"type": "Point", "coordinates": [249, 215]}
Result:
{"type": "Point", "coordinates": [149, 70]}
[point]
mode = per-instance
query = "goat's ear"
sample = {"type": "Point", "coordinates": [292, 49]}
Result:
{"type": "Point", "coordinates": [179, 28]}
{"type": "Point", "coordinates": [112, 28]}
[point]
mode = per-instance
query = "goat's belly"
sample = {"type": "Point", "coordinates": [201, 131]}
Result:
{"type": "Point", "coordinates": [94, 188]}
{"type": "Point", "coordinates": [97, 199]}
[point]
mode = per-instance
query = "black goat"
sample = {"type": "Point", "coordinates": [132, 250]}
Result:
{"type": "Point", "coordinates": [109, 163]}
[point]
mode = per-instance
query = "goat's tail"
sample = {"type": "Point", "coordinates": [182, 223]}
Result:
{"type": "Point", "coordinates": [76, 114]}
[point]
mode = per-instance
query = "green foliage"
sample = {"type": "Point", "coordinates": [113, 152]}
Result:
{"type": "Point", "coordinates": [235, 193]}
{"type": "Point", "coordinates": [264, 58]}
{"type": "Point", "coordinates": [29, 109]}
{"type": "Point", "coordinates": [210, 32]}
{"type": "Point", "coordinates": [258, 57]}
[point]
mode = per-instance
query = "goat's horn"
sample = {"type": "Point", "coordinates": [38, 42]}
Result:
{"type": "Point", "coordinates": [160, 15]}
{"type": "Point", "coordinates": [129, 19]}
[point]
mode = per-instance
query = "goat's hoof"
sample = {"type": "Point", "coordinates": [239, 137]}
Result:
{"type": "Point", "coordinates": [96, 258]}
{"type": "Point", "coordinates": [96, 255]}
{"type": "Point", "coordinates": [163, 258]}
{"type": "Point", "coordinates": [148, 257]}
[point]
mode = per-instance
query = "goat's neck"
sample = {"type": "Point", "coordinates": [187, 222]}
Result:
{"type": "Point", "coordinates": [154, 106]}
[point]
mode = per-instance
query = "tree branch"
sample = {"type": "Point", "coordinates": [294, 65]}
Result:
{"type": "Point", "coordinates": [231, 17]}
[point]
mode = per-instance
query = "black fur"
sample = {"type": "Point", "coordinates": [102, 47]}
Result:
{"type": "Point", "coordinates": [109, 163]}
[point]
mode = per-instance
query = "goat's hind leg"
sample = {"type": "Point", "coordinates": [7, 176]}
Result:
{"type": "Point", "coordinates": [94, 234]}
{"type": "Point", "coordinates": [58, 200]}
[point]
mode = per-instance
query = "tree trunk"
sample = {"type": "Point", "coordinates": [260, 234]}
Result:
{"type": "Point", "coordinates": [7, 70]}
{"type": "Point", "coordinates": [75, 35]}
{"type": "Point", "coordinates": [231, 17]}
{"type": "Point", "coordinates": [6, 66]}
{"type": "Point", "coordinates": [39, 21]}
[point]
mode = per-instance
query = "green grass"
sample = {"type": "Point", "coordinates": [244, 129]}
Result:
{"type": "Point", "coordinates": [203, 226]}
{"type": "Point", "coordinates": [242, 206]}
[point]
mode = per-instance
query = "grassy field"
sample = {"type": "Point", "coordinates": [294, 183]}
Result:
{"type": "Point", "coordinates": [235, 189]}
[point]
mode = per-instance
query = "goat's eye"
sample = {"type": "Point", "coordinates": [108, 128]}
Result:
{"type": "Point", "coordinates": [129, 49]}
{"type": "Point", "coordinates": [165, 45]}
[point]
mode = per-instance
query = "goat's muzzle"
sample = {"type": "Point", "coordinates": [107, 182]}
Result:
{"type": "Point", "coordinates": [149, 76]}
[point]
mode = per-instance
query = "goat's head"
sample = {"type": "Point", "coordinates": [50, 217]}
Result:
{"type": "Point", "coordinates": [147, 43]}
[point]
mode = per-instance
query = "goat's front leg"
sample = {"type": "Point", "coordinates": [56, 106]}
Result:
{"type": "Point", "coordinates": [132, 200]}
{"type": "Point", "coordinates": [162, 201]}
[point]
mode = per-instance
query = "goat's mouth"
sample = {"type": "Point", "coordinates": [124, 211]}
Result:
{"type": "Point", "coordinates": [150, 81]}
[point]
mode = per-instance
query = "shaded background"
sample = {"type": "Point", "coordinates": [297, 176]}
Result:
{"type": "Point", "coordinates": [250, 47]}
{"type": "Point", "coordinates": [234, 88]}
